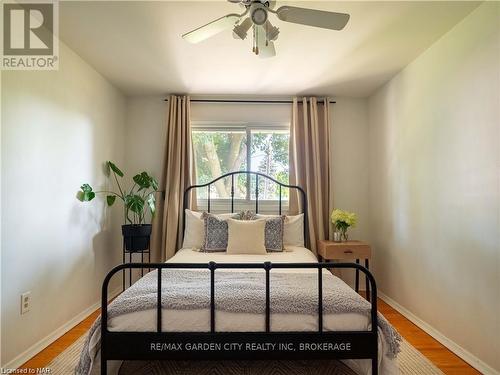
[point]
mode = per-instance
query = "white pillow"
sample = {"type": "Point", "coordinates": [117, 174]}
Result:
{"type": "Point", "coordinates": [293, 232]}
{"type": "Point", "coordinates": [194, 230]}
{"type": "Point", "coordinates": [246, 236]}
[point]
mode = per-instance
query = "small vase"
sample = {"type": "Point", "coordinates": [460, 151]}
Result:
{"type": "Point", "coordinates": [337, 237]}
{"type": "Point", "coordinates": [345, 237]}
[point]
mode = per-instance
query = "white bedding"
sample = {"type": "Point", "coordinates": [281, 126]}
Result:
{"type": "Point", "coordinates": [199, 320]}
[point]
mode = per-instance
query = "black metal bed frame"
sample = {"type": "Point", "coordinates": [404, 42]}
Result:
{"type": "Point", "coordinates": [216, 345]}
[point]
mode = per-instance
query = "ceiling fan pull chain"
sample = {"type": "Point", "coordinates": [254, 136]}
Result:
{"type": "Point", "coordinates": [256, 41]}
{"type": "Point", "coordinates": [253, 41]}
{"type": "Point", "coordinates": [267, 33]}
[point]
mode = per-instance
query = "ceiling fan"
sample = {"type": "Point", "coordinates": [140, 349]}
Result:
{"type": "Point", "coordinates": [256, 17]}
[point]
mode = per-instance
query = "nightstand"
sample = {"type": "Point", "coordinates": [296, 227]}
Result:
{"type": "Point", "coordinates": [349, 250]}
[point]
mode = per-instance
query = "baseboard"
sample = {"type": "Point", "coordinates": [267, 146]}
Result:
{"type": "Point", "coordinates": [49, 339]}
{"type": "Point", "coordinates": [467, 356]}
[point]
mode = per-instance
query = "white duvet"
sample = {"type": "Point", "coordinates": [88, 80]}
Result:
{"type": "Point", "coordinates": [199, 320]}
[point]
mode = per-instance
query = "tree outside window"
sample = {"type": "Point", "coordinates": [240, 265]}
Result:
{"type": "Point", "coordinates": [260, 149]}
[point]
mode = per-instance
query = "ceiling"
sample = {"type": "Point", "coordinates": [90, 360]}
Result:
{"type": "Point", "coordinates": [137, 46]}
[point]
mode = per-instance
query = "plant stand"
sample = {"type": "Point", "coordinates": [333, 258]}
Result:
{"type": "Point", "coordinates": [130, 253]}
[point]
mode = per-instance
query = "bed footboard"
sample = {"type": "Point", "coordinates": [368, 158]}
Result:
{"type": "Point", "coordinates": [213, 345]}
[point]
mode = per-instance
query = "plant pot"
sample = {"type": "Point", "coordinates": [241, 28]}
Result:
{"type": "Point", "coordinates": [136, 237]}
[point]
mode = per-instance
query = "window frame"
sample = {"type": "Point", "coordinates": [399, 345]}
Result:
{"type": "Point", "coordinates": [218, 203]}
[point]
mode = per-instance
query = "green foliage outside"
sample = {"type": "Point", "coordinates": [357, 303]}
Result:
{"type": "Point", "coordinates": [219, 152]}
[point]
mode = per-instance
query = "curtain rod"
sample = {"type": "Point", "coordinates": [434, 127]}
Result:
{"type": "Point", "coordinates": [248, 101]}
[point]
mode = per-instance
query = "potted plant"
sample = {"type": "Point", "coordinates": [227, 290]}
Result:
{"type": "Point", "coordinates": [342, 220]}
{"type": "Point", "coordinates": [136, 202]}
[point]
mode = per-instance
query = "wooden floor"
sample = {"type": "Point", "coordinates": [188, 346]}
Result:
{"type": "Point", "coordinates": [448, 362]}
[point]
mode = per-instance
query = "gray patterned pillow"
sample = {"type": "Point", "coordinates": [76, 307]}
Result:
{"type": "Point", "coordinates": [274, 234]}
{"type": "Point", "coordinates": [245, 215]}
{"type": "Point", "coordinates": [216, 233]}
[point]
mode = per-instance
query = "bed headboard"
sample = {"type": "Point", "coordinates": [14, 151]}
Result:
{"type": "Point", "coordinates": [231, 199]}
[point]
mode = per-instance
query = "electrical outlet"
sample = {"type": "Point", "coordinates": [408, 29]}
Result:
{"type": "Point", "coordinates": [25, 302]}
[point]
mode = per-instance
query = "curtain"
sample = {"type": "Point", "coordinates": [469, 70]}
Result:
{"type": "Point", "coordinates": [309, 164]}
{"type": "Point", "coordinates": [176, 177]}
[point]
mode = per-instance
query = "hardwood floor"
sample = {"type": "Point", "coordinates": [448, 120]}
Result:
{"type": "Point", "coordinates": [443, 358]}
{"type": "Point", "coordinates": [448, 362]}
{"type": "Point", "coordinates": [43, 358]}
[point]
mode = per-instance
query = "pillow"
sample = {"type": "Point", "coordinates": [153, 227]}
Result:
{"type": "Point", "coordinates": [293, 231]}
{"type": "Point", "coordinates": [274, 233]}
{"type": "Point", "coordinates": [216, 233]}
{"type": "Point", "coordinates": [246, 236]}
{"type": "Point", "coordinates": [245, 215]}
{"type": "Point", "coordinates": [194, 230]}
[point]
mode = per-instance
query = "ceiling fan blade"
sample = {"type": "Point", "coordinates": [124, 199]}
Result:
{"type": "Point", "coordinates": [265, 48]}
{"type": "Point", "coordinates": [211, 28]}
{"type": "Point", "coordinates": [313, 17]}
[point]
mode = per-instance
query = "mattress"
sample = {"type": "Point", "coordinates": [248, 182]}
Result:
{"type": "Point", "coordinates": [199, 320]}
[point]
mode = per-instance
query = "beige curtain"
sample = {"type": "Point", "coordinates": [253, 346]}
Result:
{"type": "Point", "coordinates": [309, 164]}
{"type": "Point", "coordinates": [176, 177]}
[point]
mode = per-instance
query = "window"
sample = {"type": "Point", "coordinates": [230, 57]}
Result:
{"type": "Point", "coordinates": [221, 149]}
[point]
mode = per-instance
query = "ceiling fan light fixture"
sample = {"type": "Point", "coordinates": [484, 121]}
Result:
{"type": "Point", "coordinates": [272, 32]}
{"type": "Point", "coordinates": [258, 13]}
{"type": "Point", "coordinates": [240, 31]}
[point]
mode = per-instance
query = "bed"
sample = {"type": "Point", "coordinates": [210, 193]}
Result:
{"type": "Point", "coordinates": [219, 306]}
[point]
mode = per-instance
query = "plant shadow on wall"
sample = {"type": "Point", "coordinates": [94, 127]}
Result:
{"type": "Point", "coordinates": [137, 201]}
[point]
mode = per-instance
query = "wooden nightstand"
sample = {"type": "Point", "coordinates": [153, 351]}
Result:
{"type": "Point", "coordinates": [349, 250]}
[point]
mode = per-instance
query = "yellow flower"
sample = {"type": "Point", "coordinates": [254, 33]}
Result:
{"type": "Point", "coordinates": [342, 218]}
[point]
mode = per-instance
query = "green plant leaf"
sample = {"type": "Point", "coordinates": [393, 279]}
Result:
{"type": "Point", "coordinates": [134, 203]}
{"type": "Point", "coordinates": [86, 188]}
{"type": "Point", "coordinates": [154, 184]}
{"type": "Point", "coordinates": [115, 169]}
{"type": "Point", "coordinates": [85, 194]}
{"type": "Point", "coordinates": [151, 200]}
{"type": "Point", "coordinates": [110, 199]}
{"type": "Point", "coordinates": [143, 180]}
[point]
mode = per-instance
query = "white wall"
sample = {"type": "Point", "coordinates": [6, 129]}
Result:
{"type": "Point", "coordinates": [146, 126]}
{"type": "Point", "coordinates": [434, 186]}
{"type": "Point", "coordinates": [57, 129]}
{"type": "Point", "coordinates": [349, 160]}
{"type": "Point", "coordinates": [145, 130]}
